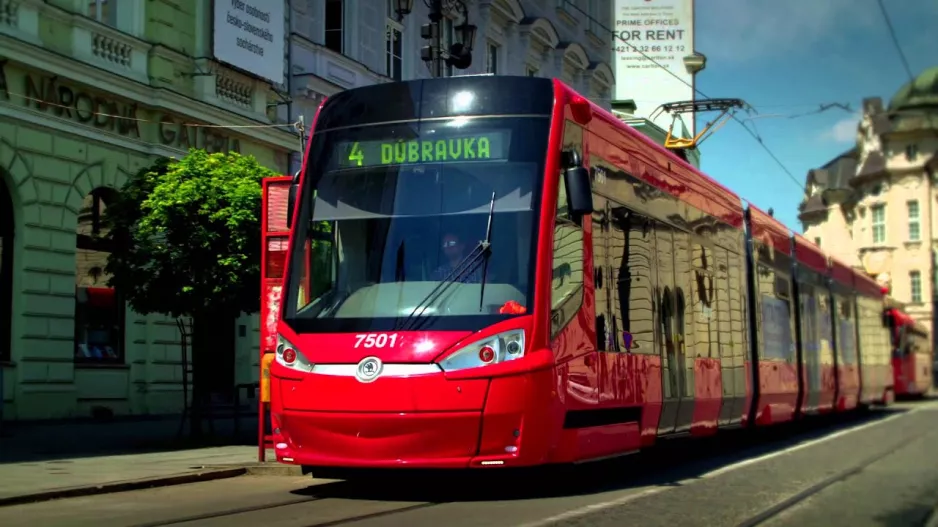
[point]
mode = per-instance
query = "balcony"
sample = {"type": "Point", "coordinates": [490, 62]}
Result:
{"type": "Point", "coordinates": [225, 88]}
{"type": "Point", "coordinates": [109, 49]}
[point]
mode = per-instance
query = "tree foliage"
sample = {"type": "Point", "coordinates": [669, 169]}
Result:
{"type": "Point", "coordinates": [187, 235]}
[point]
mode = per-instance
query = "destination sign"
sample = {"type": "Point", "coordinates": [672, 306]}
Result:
{"type": "Point", "coordinates": [488, 146]}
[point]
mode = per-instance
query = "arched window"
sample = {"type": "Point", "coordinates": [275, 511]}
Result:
{"type": "Point", "coordinates": [6, 272]}
{"type": "Point", "coordinates": [99, 312]}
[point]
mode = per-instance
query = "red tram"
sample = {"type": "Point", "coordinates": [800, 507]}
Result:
{"type": "Point", "coordinates": [912, 355]}
{"type": "Point", "coordinates": [481, 279]}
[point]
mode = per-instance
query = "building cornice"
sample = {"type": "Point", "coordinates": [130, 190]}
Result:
{"type": "Point", "coordinates": [32, 56]}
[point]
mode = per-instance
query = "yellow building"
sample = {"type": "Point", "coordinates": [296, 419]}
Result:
{"type": "Point", "coordinates": [90, 92]}
{"type": "Point", "coordinates": [871, 206]}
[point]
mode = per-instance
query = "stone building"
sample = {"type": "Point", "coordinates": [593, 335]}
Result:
{"type": "Point", "coordinates": [872, 205]}
{"type": "Point", "coordinates": [91, 91]}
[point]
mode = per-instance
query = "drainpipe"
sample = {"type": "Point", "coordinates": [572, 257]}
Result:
{"type": "Point", "coordinates": [930, 169]}
{"type": "Point", "coordinates": [289, 78]}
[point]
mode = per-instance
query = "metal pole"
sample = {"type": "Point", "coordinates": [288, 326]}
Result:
{"type": "Point", "coordinates": [933, 275]}
{"type": "Point", "coordinates": [436, 18]}
{"type": "Point", "coordinates": [693, 77]}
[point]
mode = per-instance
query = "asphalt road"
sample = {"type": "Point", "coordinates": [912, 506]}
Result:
{"type": "Point", "coordinates": [879, 469]}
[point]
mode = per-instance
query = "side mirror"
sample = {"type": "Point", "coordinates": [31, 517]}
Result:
{"type": "Point", "coordinates": [291, 203]}
{"type": "Point", "coordinates": [579, 191]}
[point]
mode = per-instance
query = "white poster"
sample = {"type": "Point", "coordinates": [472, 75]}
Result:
{"type": "Point", "coordinates": [664, 31]}
{"type": "Point", "coordinates": [249, 36]}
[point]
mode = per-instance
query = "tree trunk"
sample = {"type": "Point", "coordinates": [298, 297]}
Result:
{"type": "Point", "coordinates": [212, 358]}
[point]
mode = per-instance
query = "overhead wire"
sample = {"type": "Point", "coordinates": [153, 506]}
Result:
{"type": "Point", "coordinates": [752, 133]}
{"type": "Point", "coordinates": [895, 41]}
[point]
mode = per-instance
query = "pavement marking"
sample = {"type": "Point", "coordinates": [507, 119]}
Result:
{"type": "Point", "coordinates": [589, 509]}
{"type": "Point", "coordinates": [813, 442]}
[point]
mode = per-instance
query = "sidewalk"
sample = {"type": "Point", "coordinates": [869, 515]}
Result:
{"type": "Point", "coordinates": [37, 481]}
{"type": "Point", "coordinates": [48, 461]}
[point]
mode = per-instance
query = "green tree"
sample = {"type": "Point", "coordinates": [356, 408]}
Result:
{"type": "Point", "coordinates": [187, 243]}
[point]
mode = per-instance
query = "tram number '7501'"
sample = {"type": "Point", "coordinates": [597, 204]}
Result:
{"type": "Point", "coordinates": [376, 340]}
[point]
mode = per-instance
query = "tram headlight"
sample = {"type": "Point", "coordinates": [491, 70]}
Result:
{"type": "Point", "coordinates": [288, 355]}
{"type": "Point", "coordinates": [501, 347]}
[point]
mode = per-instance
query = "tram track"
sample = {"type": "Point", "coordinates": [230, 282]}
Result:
{"type": "Point", "coordinates": [792, 501]}
{"type": "Point", "coordinates": [327, 501]}
{"type": "Point", "coordinates": [807, 460]}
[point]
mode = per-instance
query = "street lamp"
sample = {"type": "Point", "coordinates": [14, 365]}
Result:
{"type": "Point", "coordinates": [459, 54]}
{"type": "Point", "coordinates": [403, 8]}
{"type": "Point", "coordinates": [694, 64]}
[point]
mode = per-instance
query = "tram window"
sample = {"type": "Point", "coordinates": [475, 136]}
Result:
{"type": "Point", "coordinates": [846, 336]}
{"type": "Point", "coordinates": [723, 329]}
{"type": "Point", "coordinates": [704, 300]}
{"type": "Point", "coordinates": [605, 326]}
{"type": "Point", "coordinates": [567, 283]}
{"type": "Point", "coordinates": [631, 257]}
{"type": "Point", "coordinates": [683, 316]}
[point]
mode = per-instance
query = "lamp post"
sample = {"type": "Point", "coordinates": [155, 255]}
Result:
{"type": "Point", "coordinates": [403, 8]}
{"type": "Point", "coordinates": [694, 64]}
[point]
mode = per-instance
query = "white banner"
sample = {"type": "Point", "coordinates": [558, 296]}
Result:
{"type": "Point", "coordinates": [249, 35]}
{"type": "Point", "coordinates": [664, 31]}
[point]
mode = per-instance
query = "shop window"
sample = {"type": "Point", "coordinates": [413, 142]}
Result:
{"type": "Point", "coordinates": [99, 311]}
{"type": "Point", "coordinates": [6, 272]}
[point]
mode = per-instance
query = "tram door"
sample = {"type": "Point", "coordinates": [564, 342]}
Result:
{"type": "Point", "coordinates": [678, 402]}
{"type": "Point", "coordinates": [605, 330]}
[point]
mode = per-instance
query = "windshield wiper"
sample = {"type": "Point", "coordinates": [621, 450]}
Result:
{"type": "Point", "coordinates": [465, 266]}
{"type": "Point", "coordinates": [486, 248]}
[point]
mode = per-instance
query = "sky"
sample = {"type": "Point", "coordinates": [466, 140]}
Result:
{"type": "Point", "coordinates": [788, 57]}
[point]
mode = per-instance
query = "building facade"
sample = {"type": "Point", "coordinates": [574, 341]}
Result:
{"type": "Point", "coordinates": [90, 92]}
{"type": "Point", "coordinates": [341, 44]}
{"type": "Point", "coordinates": [872, 206]}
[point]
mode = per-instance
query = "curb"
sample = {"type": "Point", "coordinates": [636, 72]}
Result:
{"type": "Point", "coordinates": [124, 486]}
{"type": "Point", "coordinates": [932, 520]}
{"type": "Point", "coordinates": [273, 469]}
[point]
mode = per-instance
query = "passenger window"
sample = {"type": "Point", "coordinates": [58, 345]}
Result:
{"type": "Point", "coordinates": [319, 275]}
{"type": "Point", "coordinates": [605, 322]}
{"type": "Point", "coordinates": [632, 237]}
{"type": "Point", "coordinates": [704, 301]}
{"type": "Point", "coordinates": [567, 282]}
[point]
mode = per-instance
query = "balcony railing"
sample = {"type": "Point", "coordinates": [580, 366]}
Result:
{"type": "Point", "coordinates": [107, 48]}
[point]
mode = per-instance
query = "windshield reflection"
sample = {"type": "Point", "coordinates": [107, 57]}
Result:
{"type": "Point", "coordinates": [385, 237]}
